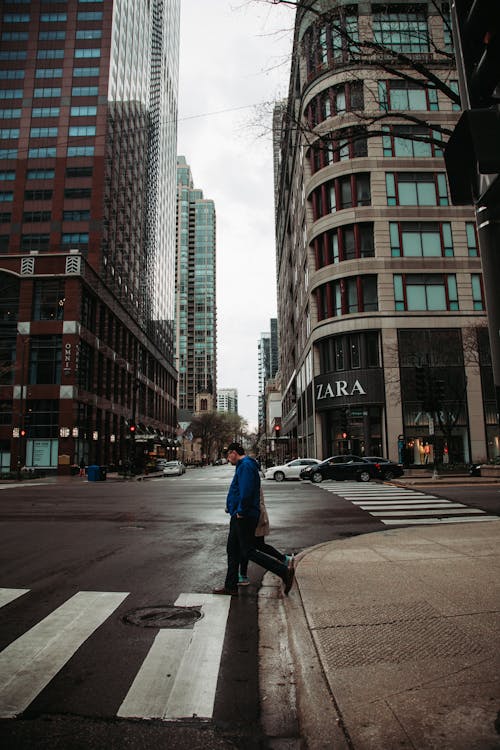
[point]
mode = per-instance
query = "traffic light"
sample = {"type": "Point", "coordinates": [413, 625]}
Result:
{"type": "Point", "coordinates": [478, 31]}
{"type": "Point", "coordinates": [132, 429]}
{"type": "Point", "coordinates": [472, 154]}
{"type": "Point", "coordinates": [277, 429]}
{"type": "Point", "coordinates": [22, 432]}
{"type": "Point", "coordinates": [343, 422]}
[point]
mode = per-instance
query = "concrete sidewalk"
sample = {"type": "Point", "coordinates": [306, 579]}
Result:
{"type": "Point", "coordinates": [389, 640]}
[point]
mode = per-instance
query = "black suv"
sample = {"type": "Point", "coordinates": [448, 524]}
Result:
{"type": "Point", "coordinates": [342, 467]}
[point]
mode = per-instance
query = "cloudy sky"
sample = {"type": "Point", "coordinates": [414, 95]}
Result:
{"type": "Point", "coordinates": [234, 56]}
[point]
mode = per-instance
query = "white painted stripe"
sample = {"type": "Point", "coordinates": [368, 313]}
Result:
{"type": "Point", "coordinates": [426, 512]}
{"type": "Point", "coordinates": [30, 662]}
{"type": "Point", "coordinates": [21, 484]}
{"type": "Point", "coordinates": [149, 693]}
{"type": "Point", "coordinates": [8, 595]}
{"type": "Point", "coordinates": [407, 506]}
{"type": "Point", "coordinates": [178, 678]}
{"type": "Point", "coordinates": [406, 501]}
{"type": "Point", "coordinates": [193, 693]}
{"type": "Point", "coordinates": [461, 519]}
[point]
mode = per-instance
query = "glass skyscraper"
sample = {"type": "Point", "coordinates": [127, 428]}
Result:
{"type": "Point", "coordinates": [196, 312]}
{"type": "Point", "coordinates": [88, 112]}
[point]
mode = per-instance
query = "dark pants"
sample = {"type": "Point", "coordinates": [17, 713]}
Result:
{"type": "Point", "coordinates": [261, 544]}
{"type": "Point", "coordinates": [241, 545]}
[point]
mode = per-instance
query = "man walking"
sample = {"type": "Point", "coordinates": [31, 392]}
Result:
{"type": "Point", "coordinates": [243, 505]}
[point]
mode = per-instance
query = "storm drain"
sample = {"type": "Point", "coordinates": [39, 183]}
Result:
{"type": "Point", "coordinates": [163, 616]}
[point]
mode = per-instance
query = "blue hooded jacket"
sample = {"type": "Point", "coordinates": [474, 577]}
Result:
{"type": "Point", "coordinates": [243, 496]}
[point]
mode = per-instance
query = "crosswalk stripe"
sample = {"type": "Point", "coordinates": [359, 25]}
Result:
{"type": "Point", "coordinates": [391, 505]}
{"type": "Point", "coordinates": [178, 678]}
{"type": "Point", "coordinates": [8, 595]}
{"type": "Point", "coordinates": [31, 661]}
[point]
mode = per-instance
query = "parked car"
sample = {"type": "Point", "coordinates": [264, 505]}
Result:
{"type": "Point", "coordinates": [342, 467]}
{"type": "Point", "coordinates": [291, 470]}
{"type": "Point", "coordinates": [173, 468]}
{"type": "Point", "coordinates": [388, 469]}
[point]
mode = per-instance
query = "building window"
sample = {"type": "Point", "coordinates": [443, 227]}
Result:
{"type": "Point", "coordinates": [36, 216]}
{"type": "Point", "coordinates": [38, 195]}
{"type": "Point", "coordinates": [82, 130]}
{"type": "Point", "coordinates": [48, 73]}
{"type": "Point", "coordinates": [14, 54]}
{"type": "Point", "coordinates": [45, 152]}
{"type": "Point", "coordinates": [10, 75]}
{"type": "Point", "coordinates": [38, 242]}
{"type": "Point", "coordinates": [11, 93]}
{"type": "Point", "coordinates": [79, 171]}
{"type": "Point", "coordinates": [43, 132]}
{"type": "Point", "coordinates": [88, 34]}
{"type": "Point", "coordinates": [336, 100]}
{"type": "Point", "coordinates": [400, 29]}
{"type": "Point", "coordinates": [45, 112]}
{"type": "Point", "coordinates": [84, 91]}
{"type": "Point", "coordinates": [345, 243]}
{"type": "Point", "coordinates": [75, 238]}
{"type": "Point", "coordinates": [410, 141]}
{"type": "Point", "coordinates": [477, 291]}
{"type": "Point", "coordinates": [6, 196]}
{"type": "Point", "coordinates": [16, 18]}
{"type": "Point", "coordinates": [421, 239]}
{"type": "Point", "coordinates": [80, 151]}
{"type": "Point", "coordinates": [50, 54]}
{"type": "Point", "coordinates": [403, 96]}
{"type": "Point", "coordinates": [53, 17]}
{"type": "Point", "coordinates": [425, 292]}
{"type": "Point", "coordinates": [45, 36]}
{"type": "Point", "coordinates": [10, 114]}
{"type": "Point", "coordinates": [15, 36]}
{"type": "Point", "coordinates": [7, 175]}
{"type": "Point", "coordinates": [6, 133]}
{"type": "Point", "coordinates": [344, 192]}
{"type": "Point", "coordinates": [87, 111]}
{"type": "Point", "coordinates": [45, 360]}
{"type": "Point", "coordinates": [349, 352]}
{"type": "Point", "coordinates": [416, 189]}
{"type": "Point", "coordinates": [46, 93]}
{"type": "Point", "coordinates": [353, 294]}
{"type": "Point", "coordinates": [8, 153]}
{"type": "Point", "coordinates": [76, 215]}
{"type": "Point", "coordinates": [85, 72]}
{"type": "Point", "coordinates": [472, 246]}
{"type": "Point", "coordinates": [333, 42]}
{"type": "Point", "coordinates": [79, 192]}
{"type": "Point", "coordinates": [349, 143]}
{"type": "Point", "coordinates": [87, 52]}
{"type": "Point", "coordinates": [95, 15]}
{"type": "Point", "coordinates": [9, 299]}
{"type": "Point", "coordinates": [48, 299]}
{"type": "Point", "coordinates": [40, 174]}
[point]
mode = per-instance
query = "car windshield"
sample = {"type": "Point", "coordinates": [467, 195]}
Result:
{"type": "Point", "coordinates": [172, 463]}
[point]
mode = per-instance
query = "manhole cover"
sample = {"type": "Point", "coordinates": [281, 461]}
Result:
{"type": "Point", "coordinates": [163, 616]}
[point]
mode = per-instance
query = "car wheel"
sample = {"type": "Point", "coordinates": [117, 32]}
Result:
{"type": "Point", "coordinates": [389, 475]}
{"type": "Point", "coordinates": [317, 477]}
{"type": "Point", "coordinates": [279, 476]}
{"type": "Point", "coordinates": [364, 476]}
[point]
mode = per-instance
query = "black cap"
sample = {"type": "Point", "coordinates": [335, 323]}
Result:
{"type": "Point", "coordinates": [236, 447]}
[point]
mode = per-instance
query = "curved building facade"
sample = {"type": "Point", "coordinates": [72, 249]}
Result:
{"type": "Point", "coordinates": [384, 345]}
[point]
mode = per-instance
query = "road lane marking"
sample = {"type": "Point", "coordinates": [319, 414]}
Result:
{"type": "Point", "coordinates": [178, 677]}
{"type": "Point", "coordinates": [8, 595]}
{"type": "Point", "coordinates": [31, 661]}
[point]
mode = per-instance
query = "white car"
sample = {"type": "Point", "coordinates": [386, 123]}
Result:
{"type": "Point", "coordinates": [173, 468]}
{"type": "Point", "coordinates": [291, 470]}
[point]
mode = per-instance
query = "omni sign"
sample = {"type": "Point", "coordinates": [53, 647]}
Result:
{"type": "Point", "coordinates": [338, 388]}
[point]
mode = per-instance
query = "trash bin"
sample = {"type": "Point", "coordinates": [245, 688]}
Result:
{"type": "Point", "coordinates": [93, 473]}
{"type": "Point", "coordinates": [103, 471]}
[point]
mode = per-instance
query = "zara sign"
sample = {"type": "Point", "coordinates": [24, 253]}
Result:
{"type": "Point", "coordinates": [348, 388]}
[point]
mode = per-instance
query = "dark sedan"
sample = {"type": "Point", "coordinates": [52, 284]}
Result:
{"type": "Point", "coordinates": [388, 469]}
{"type": "Point", "coordinates": [342, 467]}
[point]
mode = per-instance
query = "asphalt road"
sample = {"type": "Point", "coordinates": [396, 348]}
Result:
{"type": "Point", "coordinates": [139, 546]}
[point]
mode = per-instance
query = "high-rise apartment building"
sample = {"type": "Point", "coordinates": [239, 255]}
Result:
{"type": "Point", "coordinates": [227, 400]}
{"type": "Point", "coordinates": [268, 363]}
{"type": "Point", "coordinates": [88, 111]}
{"type": "Point", "coordinates": [196, 312]}
{"type": "Point", "coordinates": [383, 342]}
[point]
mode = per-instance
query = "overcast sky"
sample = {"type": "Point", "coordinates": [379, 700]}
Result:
{"type": "Point", "coordinates": [234, 55]}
